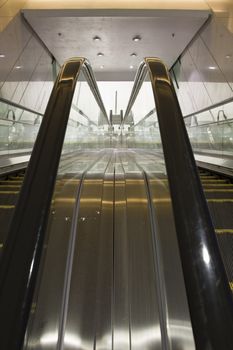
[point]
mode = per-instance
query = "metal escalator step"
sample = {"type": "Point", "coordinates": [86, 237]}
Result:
{"type": "Point", "coordinates": [218, 186]}
{"type": "Point", "coordinates": [225, 241]}
{"type": "Point", "coordinates": [6, 214]}
{"type": "Point", "coordinates": [208, 176]}
{"type": "Point", "coordinates": [11, 183]}
{"type": "Point", "coordinates": [219, 195]}
{"type": "Point", "coordinates": [215, 181]}
{"type": "Point", "coordinates": [9, 186]}
{"type": "Point", "coordinates": [8, 198]}
{"type": "Point", "coordinates": [220, 231]}
{"type": "Point", "coordinates": [222, 190]}
{"type": "Point", "coordinates": [220, 200]}
{"type": "Point", "coordinates": [16, 177]}
{"type": "Point", "coordinates": [222, 214]}
{"type": "Point", "coordinates": [7, 206]}
{"type": "Point", "coordinates": [8, 192]}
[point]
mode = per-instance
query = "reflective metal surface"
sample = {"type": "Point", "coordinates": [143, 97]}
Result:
{"type": "Point", "coordinates": [22, 251]}
{"type": "Point", "coordinates": [209, 295]}
{"type": "Point", "coordinates": [111, 233]}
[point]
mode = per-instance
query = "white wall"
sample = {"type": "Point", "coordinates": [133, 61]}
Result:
{"type": "Point", "coordinates": [9, 8]}
{"type": "Point", "coordinates": [205, 76]}
{"type": "Point", "coordinates": [25, 70]}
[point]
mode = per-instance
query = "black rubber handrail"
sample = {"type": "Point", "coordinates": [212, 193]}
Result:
{"type": "Point", "coordinates": [208, 292]}
{"type": "Point", "coordinates": [21, 254]}
{"type": "Point", "coordinates": [88, 73]}
{"type": "Point", "coordinates": [139, 79]}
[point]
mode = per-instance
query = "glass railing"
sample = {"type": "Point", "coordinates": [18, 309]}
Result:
{"type": "Point", "coordinates": [87, 126]}
{"type": "Point", "coordinates": [141, 128]}
{"type": "Point", "coordinates": [19, 127]}
{"type": "Point", "coordinates": [211, 130]}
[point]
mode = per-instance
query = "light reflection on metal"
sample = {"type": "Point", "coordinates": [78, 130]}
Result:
{"type": "Point", "coordinates": [97, 200]}
{"type": "Point", "coordinates": [72, 340]}
{"type": "Point", "coordinates": [65, 200]}
{"type": "Point", "coordinates": [49, 338]}
{"type": "Point", "coordinates": [206, 256]}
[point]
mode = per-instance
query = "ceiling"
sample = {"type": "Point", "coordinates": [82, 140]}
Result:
{"type": "Point", "coordinates": [70, 33]}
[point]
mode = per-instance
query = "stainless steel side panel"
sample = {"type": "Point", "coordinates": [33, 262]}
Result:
{"type": "Point", "coordinates": [43, 327]}
{"type": "Point", "coordinates": [47, 308]}
{"type": "Point", "coordinates": [144, 314]}
{"type": "Point", "coordinates": [172, 288]}
{"type": "Point", "coordinates": [121, 301]}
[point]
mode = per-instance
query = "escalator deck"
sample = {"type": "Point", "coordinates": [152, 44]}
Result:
{"type": "Point", "coordinates": [219, 195]}
{"type": "Point", "coordinates": [9, 190]}
{"type": "Point", "coordinates": [97, 279]}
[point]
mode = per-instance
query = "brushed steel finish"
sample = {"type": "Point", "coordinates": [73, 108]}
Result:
{"type": "Point", "coordinates": [175, 306]}
{"type": "Point", "coordinates": [86, 299]}
{"type": "Point", "coordinates": [46, 312]}
{"type": "Point", "coordinates": [112, 300]}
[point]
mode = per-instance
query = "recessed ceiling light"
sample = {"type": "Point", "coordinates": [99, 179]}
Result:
{"type": "Point", "coordinates": [2, 55]}
{"type": "Point", "coordinates": [133, 54]}
{"type": "Point", "coordinates": [131, 67]}
{"type": "Point", "coordinates": [212, 67]}
{"type": "Point", "coordinates": [18, 67]}
{"type": "Point", "coordinates": [102, 67]}
{"type": "Point", "coordinates": [97, 38]}
{"type": "Point", "coordinates": [100, 54]}
{"type": "Point", "coordinates": [137, 38]}
{"type": "Point", "coordinates": [228, 56]}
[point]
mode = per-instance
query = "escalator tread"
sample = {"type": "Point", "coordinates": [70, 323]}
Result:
{"type": "Point", "coordinates": [9, 190]}
{"type": "Point", "coordinates": [219, 194]}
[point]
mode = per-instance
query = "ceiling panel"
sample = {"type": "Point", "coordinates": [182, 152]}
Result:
{"type": "Point", "coordinates": [163, 34]}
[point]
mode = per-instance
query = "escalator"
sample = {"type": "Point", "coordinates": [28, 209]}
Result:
{"type": "Point", "coordinates": [219, 194]}
{"type": "Point", "coordinates": [10, 186]}
{"type": "Point", "coordinates": [111, 246]}
{"type": "Point", "coordinates": [119, 291]}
